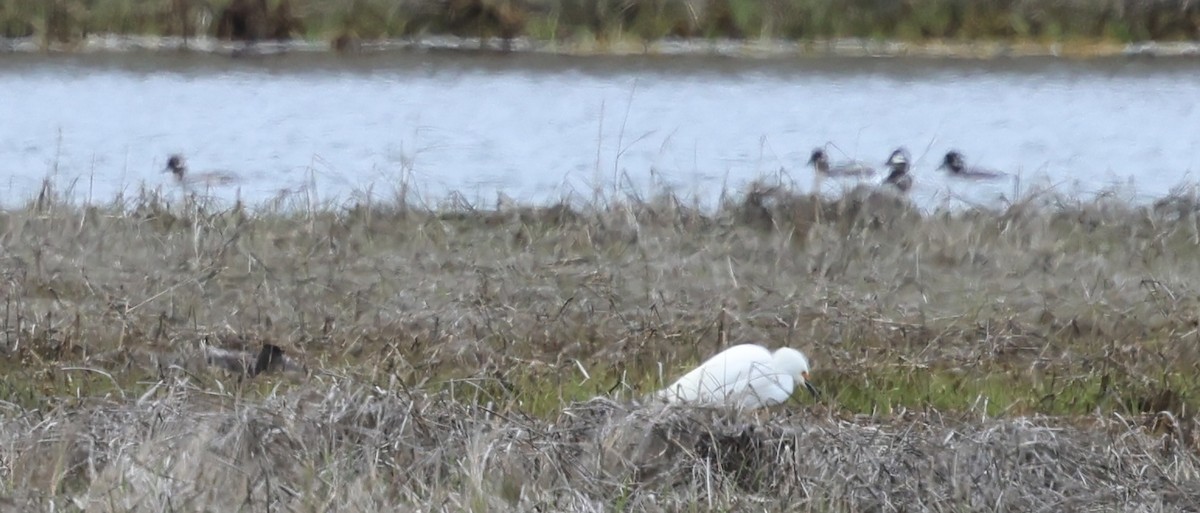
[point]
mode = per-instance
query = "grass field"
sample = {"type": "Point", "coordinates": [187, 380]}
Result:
{"type": "Point", "coordinates": [345, 22]}
{"type": "Point", "coordinates": [444, 356]}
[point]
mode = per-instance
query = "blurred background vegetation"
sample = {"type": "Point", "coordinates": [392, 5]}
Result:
{"type": "Point", "coordinates": [339, 21]}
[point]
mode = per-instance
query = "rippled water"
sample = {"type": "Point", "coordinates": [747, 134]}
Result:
{"type": "Point", "coordinates": [537, 127]}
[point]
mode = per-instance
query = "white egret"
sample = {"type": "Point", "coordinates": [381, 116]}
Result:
{"type": "Point", "coordinates": [745, 375]}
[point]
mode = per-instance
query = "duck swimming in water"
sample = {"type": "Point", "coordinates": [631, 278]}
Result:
{"type": "Point", "coordinates": [819, 160]}
{"type": "Point", "coordinates": [957, 167]}
{"type": "Point", "coordinates": [898, 164]}
{"type": "Point", "coordinates": [177, 167]}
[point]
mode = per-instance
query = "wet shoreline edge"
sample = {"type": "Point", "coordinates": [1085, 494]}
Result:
{"type": "Point", "coordinates": [744, 49]}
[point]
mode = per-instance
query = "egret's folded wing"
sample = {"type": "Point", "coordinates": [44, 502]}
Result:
{"type": "Point", "coordinates": [721, 376]}
{"type": "Point", "coordinates": [771, 389]}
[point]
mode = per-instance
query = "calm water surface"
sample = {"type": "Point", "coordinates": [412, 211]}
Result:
{"type": "Point", "coordinates": [538, 127]}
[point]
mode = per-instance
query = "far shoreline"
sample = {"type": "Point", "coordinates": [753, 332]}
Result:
{"type": "Point", "coordinates": [761, 49]}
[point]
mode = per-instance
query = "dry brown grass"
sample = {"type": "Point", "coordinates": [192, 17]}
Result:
{"type": "Point", "coordinates": [443, 358]}
{"type": "Point", "coordinates": [350, 448]}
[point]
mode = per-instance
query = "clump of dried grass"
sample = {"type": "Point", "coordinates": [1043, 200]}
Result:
{"type": "Point", "coordinates": [371, 449]}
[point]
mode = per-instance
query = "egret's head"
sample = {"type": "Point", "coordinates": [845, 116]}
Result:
{"type": "Point", "coordinates": [795, 364]}
{"type": "Point", "coordinates": [953, 162]}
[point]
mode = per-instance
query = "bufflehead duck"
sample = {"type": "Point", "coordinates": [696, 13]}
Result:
{"type": "Point", "coordinates": [957, 166]}
{"type": "Point", "coordinates": [819, 160]}
{"type": "Point", "coordinates": [177, 167]}
{"type": "Point", "coordinates": [898, 164]}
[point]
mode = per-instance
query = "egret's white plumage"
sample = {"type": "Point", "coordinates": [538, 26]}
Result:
{"type": "Point", "coordinates": [746, 375]}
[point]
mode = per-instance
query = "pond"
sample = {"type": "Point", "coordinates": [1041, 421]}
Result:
{"type": "Point", "coordinates": [540, 127]}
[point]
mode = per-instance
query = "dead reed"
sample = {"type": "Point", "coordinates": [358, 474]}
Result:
{"type": "Point", "coordinates": [356, 448]}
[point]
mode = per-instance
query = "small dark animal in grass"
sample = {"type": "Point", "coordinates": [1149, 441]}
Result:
{"type": "Point", "coordinates": [177, 167]}
{"type": "Point", "coordinates": [898, 164]}
{"type": "Point", "coordinates": [957, 166]}
{"type": "Point", "coordinates": [346, 42]}
{"type": "Point", "coordinates": [252, 20]}
{"type": "Point", "coordinates": [819, 160]}
{"type": "Point", "coordinates": [483, 18]}
{"type": "Point", "coordinates": [269, 359]}
{"type": "Point", "coordinates": [243, 20]}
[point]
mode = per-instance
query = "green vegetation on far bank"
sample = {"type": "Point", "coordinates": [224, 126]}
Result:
{"type": "Point", "coordinates": [346, 22]}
